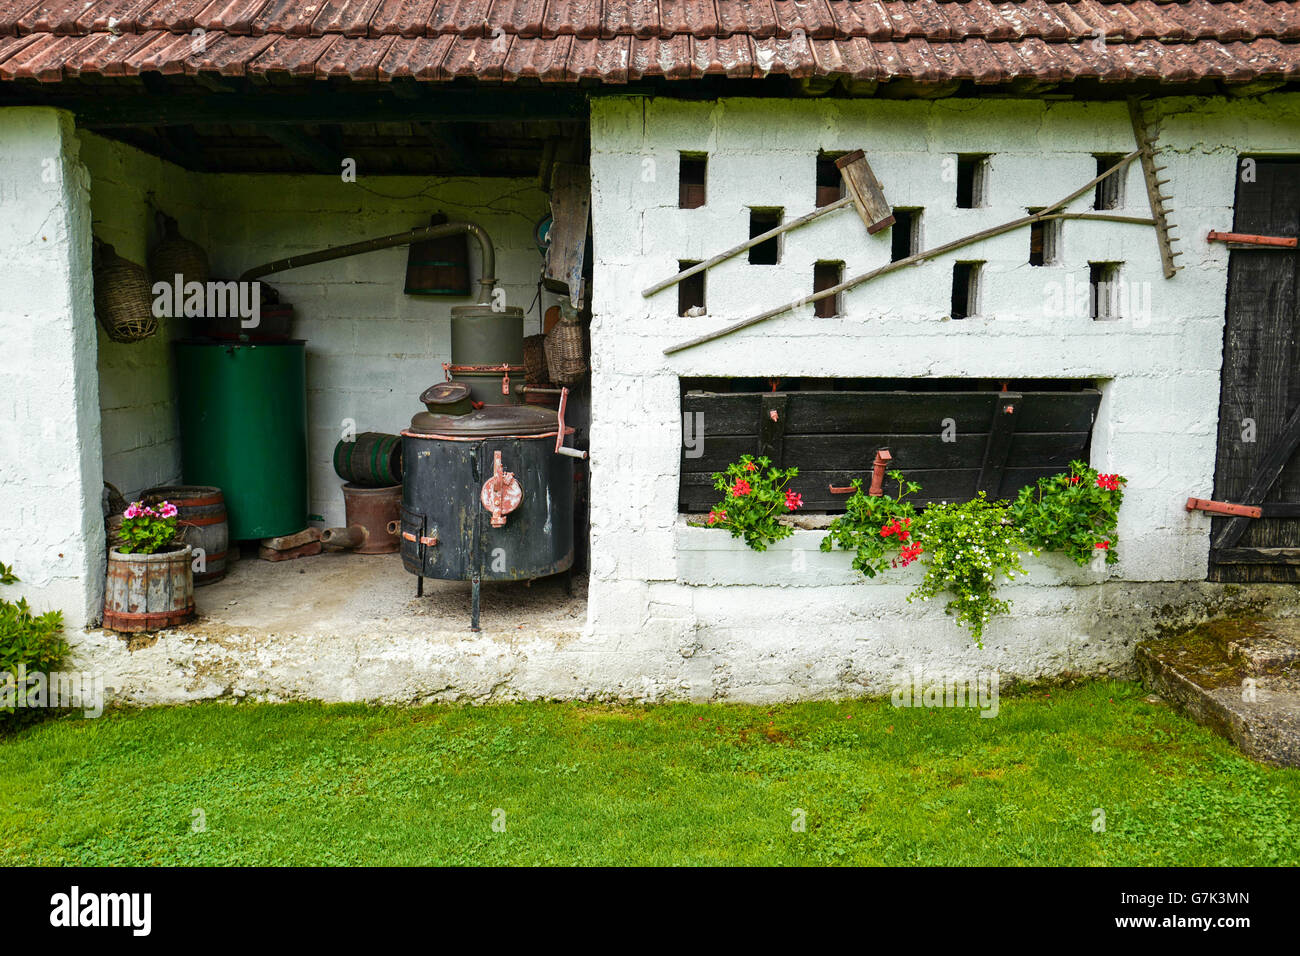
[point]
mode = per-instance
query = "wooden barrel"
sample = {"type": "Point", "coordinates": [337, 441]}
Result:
{"type": "Point", "coordinates": [201, 512]}
{"type": "Point", "coordinates": [148, 592]}
{"type": "Point", "coordinates": [439, 266]}
{"type": "Point", "coordinates": [371, 460]}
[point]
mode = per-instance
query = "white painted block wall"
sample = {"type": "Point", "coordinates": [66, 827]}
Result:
{"type": "Point", "coordinates": [51, 527]}
{"type": "Point", "coordinates": [770, 635]}
{"type": "Point", "coordinates": [137, 380]}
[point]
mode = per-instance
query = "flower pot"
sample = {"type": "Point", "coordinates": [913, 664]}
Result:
{"type": "Point", "coordinates": [147, 592]}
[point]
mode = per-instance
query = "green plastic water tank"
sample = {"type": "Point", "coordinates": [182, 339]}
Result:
{"type": "Point", "coordinates": [244, 429]}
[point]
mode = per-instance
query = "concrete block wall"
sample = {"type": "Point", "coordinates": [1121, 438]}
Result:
{"type": "Point", "coordinates": [137, 380]}
{"type": "Point", "coordinates": [1157, 366]}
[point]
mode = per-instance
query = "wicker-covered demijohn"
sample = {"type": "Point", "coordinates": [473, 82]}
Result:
{"type": "Point", "coordinates": [535, 371]}
{"type": "Point", "coordinates": [175, 255]}
{"type": "Point", "coordinates": [123, 297]}
{"type": "Point", "coordinates": [566, 358]}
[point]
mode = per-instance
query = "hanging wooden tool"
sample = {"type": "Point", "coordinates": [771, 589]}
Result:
{"type": "Point", "coordinates": [1151, 175]}
{"type": "Point", "coordinates": [1049, 212]}
{"type": "Point", "coordinates": [567, 251]}
{"type": "Point", "coordinates": [863, 193]}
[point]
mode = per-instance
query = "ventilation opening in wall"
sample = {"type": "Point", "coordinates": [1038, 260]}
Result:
{"type": "Point", "coordinates": [692, 169]}
{"type": "Point", "coordinates": [1110, 191]}
{"type": "Point", "coordinates": [830, 185]}
{"type": "Point", "coordinates": [826, 275]}
{"type": "Point", "coordinates": [768, 252]}
{"type": "Point", "coordinates": [1103, 290]}
{"type": "Point", "coordinates": [972, 180]}
{"type": "Point", "coordinates": [965, 289]}
{"type": "Point", "coordinates": [954, 436]}
{"type": "Point", "coordinates": [905, 236]}
{"type": "Point", "coordinates": [1044, 241]}
{"type": "Point", "coordinates": [690, 291]}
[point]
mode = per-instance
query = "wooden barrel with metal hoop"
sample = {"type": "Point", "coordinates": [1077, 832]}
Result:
{"type": "Point", "coordinates": [201, 514]}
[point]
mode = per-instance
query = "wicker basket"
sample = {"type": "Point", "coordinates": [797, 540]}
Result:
{"type": "Point", "coordinates": [113, 520]}
{"type": "Point", "coordinates": [535, 372]}
{"type": "Point", "coordinates": [566, 359]}
{"type": "Point", "coordinates": [175, 255]}
{"type": "Point", "coordinates": [123, 297]}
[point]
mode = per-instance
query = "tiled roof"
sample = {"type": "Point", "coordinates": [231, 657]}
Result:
{"type": "Point", "coordinates": [620, 41]}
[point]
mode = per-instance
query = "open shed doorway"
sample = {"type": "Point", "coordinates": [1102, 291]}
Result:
{"type": "Point", "coordinates": [257, 178]}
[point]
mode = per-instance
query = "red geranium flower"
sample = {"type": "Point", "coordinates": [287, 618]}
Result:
{"type": "Point", "coordinates": [741, 488]}
{"type": "Point", "coordinates": [1103, 545]}
{"type": "Point", "coordinates": [714, 516]}
{"type": "Point", "coordinates": [1074, 479]}
{"type": "Point", "coordinates": [909, 554]}
{"type": "Point", "coordinates": [1108, 482]}
{"type": "Point", "coordinates": [750, 466]}
{"type": "Point", "coordinates": [792, 500]}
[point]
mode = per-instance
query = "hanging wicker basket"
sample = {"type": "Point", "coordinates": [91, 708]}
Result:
{"type": "Point", "coordinates": [175, 255]}
{"type": "Point", "coordinates": [566, 359]}
{"type": "Point", "coordinates": [123, 297]}
{"type": "Point", "coordinates": [535, 371]}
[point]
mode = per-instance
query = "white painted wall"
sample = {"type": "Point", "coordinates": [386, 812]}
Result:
{"type": "Point", "coordinates": [787, 630]}
{"type": "Point", "coordinates": [137, 380]}
{"type": "Point", "coordinates": [51, 527]}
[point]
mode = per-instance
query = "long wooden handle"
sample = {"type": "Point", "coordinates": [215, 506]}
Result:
{"type": "Point", "coordinates": [763, 237]}
{"type": "Point", "coordinates": [1047, 213]}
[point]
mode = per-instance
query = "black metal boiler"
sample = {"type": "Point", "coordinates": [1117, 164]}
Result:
{"type": "Point", "coordinates": [487, 493]}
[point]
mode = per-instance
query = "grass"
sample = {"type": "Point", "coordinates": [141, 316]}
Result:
{"type": "Point", "coordinates": [669, 784]}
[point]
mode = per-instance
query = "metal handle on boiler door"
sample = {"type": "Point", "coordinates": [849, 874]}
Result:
{"type": "Point", "coordinates": [559, 433]}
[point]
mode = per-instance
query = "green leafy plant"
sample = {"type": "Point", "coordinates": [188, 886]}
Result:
{"type": "Point", "coordinates": [754, 496]}
{"type": "Point", "coordinates": [1076, 512]}
{"type": "Point", "coordinates": [27, 641]}
{"type": "Point", "coordinates": [146, 529]}
{"type": "Point", "coordinates": [967, 547]}
{"type": "Point", "coordinates": [875, 526]}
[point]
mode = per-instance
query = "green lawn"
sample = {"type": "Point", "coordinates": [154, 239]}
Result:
{"type": "Point", "coordinates": [582, 783]}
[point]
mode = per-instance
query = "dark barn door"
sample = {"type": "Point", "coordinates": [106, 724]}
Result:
{"type": "Point", "coordinates": [1259, 401]}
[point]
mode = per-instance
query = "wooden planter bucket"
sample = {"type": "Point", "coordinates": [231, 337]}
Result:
{"type": "Point", "coordinates": [148, 592]}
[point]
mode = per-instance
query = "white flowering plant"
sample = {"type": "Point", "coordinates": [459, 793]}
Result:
{"type": "Point", "coordinates": [967, 547]}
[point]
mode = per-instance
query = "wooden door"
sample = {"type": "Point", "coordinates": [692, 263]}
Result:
{"type": "Point", "coordinates": [1259, 400]}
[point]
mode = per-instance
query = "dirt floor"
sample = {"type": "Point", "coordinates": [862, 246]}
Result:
{"type": "Point", "coordinates": [339, 590]}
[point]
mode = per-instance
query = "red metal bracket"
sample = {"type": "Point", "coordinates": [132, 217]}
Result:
{"type": "Point", "coordinates": [1247, 239]}
{"type": "Point", "coordinates": [883, 458]}
{"type": "Point", "coordinates": [1224, 508]}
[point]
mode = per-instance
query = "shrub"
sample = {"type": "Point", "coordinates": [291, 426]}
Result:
{"type": "Point", "coordinates": [967, 546]}
{"type": "Point", "coordinates": [873, 526]}
{"type": "Point", "coordinates": [1075, 512]}
{"type": "Point", "coordinates": [754, 495]}
{"type": "Point", "coordinates": [33, 641]}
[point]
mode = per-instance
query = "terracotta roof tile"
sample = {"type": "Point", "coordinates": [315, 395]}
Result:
{"type": "Point", "coordinates": [926, 41]}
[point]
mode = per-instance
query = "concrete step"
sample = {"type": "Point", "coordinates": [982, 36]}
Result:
{"type": "Point", "coordinates": [1240, 677]}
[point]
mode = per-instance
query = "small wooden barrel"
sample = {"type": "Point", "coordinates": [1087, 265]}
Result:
{"type": "Point", "coordinates": [371, 460]}
{"type": "Point", "coordinates": [148, 592]}
{"type": "Point", "coordinates": [201, 512]}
